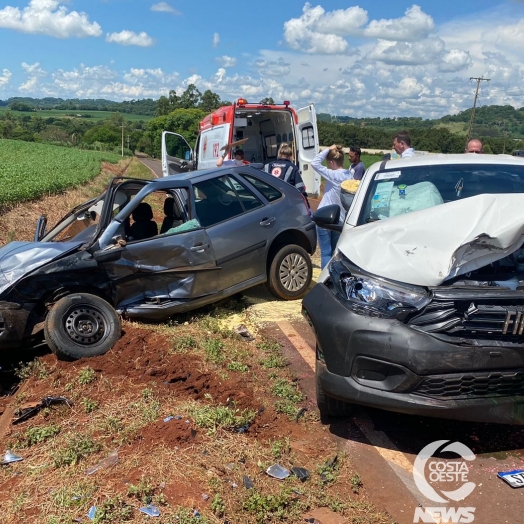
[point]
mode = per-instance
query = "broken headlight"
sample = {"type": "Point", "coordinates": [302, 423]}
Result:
{"type": "Point", "coordinates": [371, 295]}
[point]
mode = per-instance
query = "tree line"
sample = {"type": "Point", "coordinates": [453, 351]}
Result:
{"type": "Point", "coordinates": [181, 113]}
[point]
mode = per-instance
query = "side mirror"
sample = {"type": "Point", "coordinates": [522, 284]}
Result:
{"type": "Point", "coordinates": [328, 217]}
{"type": "Point", "coordinates": [40, 228]}
{"type": "Point", "coordinates": [111, 253]}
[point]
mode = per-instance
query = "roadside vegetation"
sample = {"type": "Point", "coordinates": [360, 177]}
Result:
{"type": "Point", "coordinates": [162, 420]}
{"type": "Point", "coordinates": [29, 171]}
{"type": "Point", "coordinates": [136, 125]}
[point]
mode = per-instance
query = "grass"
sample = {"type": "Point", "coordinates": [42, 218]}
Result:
{"type": "Point", "coordinates": [242, 424]}
{"type": "Point", "coordinates": [58, 168]}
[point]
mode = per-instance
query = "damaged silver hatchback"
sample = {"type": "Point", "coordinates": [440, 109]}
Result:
{"type": "Point", "coordinates": [421, 309]}
{"type": "Point", "coordinates": [148, 249]}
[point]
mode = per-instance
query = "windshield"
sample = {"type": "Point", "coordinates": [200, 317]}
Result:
{"type": "Point", "coordinates": [398, 191]}
{"type": "Point", "coordinates": [79, 224]}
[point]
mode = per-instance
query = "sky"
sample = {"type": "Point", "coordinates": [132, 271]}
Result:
{"type": "Point", "coordinates": [372, 59]}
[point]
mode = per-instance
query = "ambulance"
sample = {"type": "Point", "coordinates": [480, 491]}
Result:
{"type": "Point", "coordinates": [261, 127]}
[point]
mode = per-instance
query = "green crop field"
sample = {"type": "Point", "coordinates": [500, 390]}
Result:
{"type": "Point", "coordinates": [69, 113]}
{"type": "Point", "coordinates": [29, 170]}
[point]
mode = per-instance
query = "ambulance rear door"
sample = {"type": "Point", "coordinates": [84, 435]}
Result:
{"type": "Point", "coordinates": [307, 147]}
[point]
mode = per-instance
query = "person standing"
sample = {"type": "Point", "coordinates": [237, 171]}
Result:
{"type": "Point", "coordinates": [357, 167]}
{"type": "Point", "coordinates": [402, 144]}
{"type": "Point", "coordinates": [285, 169]}
{"type": "Point", "coordinates": [334, 175]}
{"type": "Point", "coordinates": [474, 146]}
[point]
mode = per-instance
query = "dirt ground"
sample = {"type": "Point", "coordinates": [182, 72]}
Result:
{"type": "Point", "coordinates": [186, 416]}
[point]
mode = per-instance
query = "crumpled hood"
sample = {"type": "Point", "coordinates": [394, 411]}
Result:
{"type": "Point", "coordinates": [427, 247]}
{"type": "Point", "coordinates": [20, 258]}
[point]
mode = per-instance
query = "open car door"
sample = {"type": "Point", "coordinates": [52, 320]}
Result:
{"type": "Point", "coordinates": [154, 275]}
{"type": "Point", "coordinates": [177, 155]}
{"type": "Point", "coordinates": [307, 140]}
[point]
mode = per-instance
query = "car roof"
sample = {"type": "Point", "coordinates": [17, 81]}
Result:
{"type": "Point", "coordinates": [444, 159]}
{"type": "Point", "coordinates": [195, 176]}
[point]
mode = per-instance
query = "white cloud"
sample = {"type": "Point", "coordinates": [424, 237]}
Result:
{"type": "Point", "coordinates": [226, 61]}
{"type": "Point", "coordinates": [279, 68]}
{"type": "Point", "coordinates": [164, 7]}
{"type": "Point", "coordinates": [126, 37]}
{"type": "Point", "coordinates": [319, 32]}
{"type": "Point", "coordinates": [413, 53]}
{"type": "Point", "coordinates": [415, 25]}
{"type": "Point", "coordinates": [455, 60]}
{"type": "Point", "coordinates": [33, 69]}
{"type": "Point", "coordinates": [48, 17]}
{"type": "Point", "coordinates": [216, 40]}
{"type": "Point", "coordinates": [5, 78]}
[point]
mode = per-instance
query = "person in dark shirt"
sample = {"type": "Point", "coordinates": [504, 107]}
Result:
{"type": "Point", "coordinates": [357, 167]}
{"type": "Point", "coordinates": [285, 169]}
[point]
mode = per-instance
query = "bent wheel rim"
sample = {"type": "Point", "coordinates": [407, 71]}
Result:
{"type": "Point", "coordinates": [85, 325]}
{"type": "Point", "coordinates": [293, 272]}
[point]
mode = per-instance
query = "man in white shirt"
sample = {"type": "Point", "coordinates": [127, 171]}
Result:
{"type": "Point", "coordinates": [402, 144]}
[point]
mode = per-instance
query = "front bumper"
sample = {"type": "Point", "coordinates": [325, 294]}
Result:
{"type": "Point", "coordinates": [382, 363]}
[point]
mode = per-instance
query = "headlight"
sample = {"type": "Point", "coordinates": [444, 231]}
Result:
{"type": "Point", "coordinates": [371, 295]}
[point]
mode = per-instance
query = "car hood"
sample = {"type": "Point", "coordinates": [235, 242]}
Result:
{"type": "Point", "coordinates": [430, 246]}
{"type": "Point", "coordinates": [20, 258]}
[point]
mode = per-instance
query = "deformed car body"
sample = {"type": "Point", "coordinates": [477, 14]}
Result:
{"type": "Point", "coordinates": [421, 309]}
{"type": "Point", "coordinates": [223, 231]}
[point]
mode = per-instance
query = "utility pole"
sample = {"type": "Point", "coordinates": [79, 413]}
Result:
{"type": "Point", "coordinates": [122, 139]}
{"type": "Point", "coordinates": [479, 80]}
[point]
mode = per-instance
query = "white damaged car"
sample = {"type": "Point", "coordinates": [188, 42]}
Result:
{"type": "Point", "coordinates": [421, 309]}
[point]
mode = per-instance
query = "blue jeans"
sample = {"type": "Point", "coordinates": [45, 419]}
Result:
{"type": "Point", "coordinates": [327, 240]}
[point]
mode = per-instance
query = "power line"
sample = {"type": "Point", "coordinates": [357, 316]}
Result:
{"type": "Point", "coordinates": [479, 80]}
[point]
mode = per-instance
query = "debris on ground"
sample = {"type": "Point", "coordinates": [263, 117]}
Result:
{"type": "Point", "coordinates": [107, 462]}
{"type": "Point", "coordinates": [10, 457]}
{"type": "Point", "coordinates": [24, 413]}
{"type": "Point", "coordinates": [278, 472]}
{"type": "Point", "coordinates": [514, 478]}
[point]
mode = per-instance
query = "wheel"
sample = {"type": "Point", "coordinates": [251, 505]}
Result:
{"type": "Point", "coordinates": [332, 407]}
{"type": "Point", "coordinates": [81, 325]}
{"type": "Point", "coordinates": [290, 273]}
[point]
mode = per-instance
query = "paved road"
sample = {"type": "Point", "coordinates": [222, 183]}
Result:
{"type": "Point", "coordinates": [383, 445]}
{"type": "Point", "coordinates": [154, 165]}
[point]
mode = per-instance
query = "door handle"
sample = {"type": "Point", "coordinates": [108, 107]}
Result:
{"type": "Point", "coordinates": [199, 248]}
{"type": "Point", "coordinates": [267, 221]}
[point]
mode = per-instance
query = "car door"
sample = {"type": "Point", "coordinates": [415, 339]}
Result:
{"type": "Point", "coordinates": [240, 226]}
{"type": "Point", "coordinates": [308, 146]}
{"type": "Point", "coordinates": [159, 271]}
{"type": "Point", "coordinates": [177, 154]}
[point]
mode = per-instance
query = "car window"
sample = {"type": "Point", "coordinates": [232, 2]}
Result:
{"type": "Point", "coordinates": [269, 191]}
{"type": "Point", "coordinates": [399, 191]}
{"type": "Point", "coordinates": [159, 213]}
{"type": "Point", "coordinates": [248, 198]}
{"type": "Point", "coordinates": [216, 201]}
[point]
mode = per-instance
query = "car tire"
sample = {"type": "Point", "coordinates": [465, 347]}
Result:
{"type": "Point", "coordinates": [81, 325]}
{"type": "Point", "coordinates": [290, 273]}
{"type": "Point", "coordinates": [331, 407]}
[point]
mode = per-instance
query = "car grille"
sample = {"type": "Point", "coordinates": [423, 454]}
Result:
{"type": "Point", "coordinates": [473, 319]}
{"type": "Point", "coordinates": [491, 384]}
